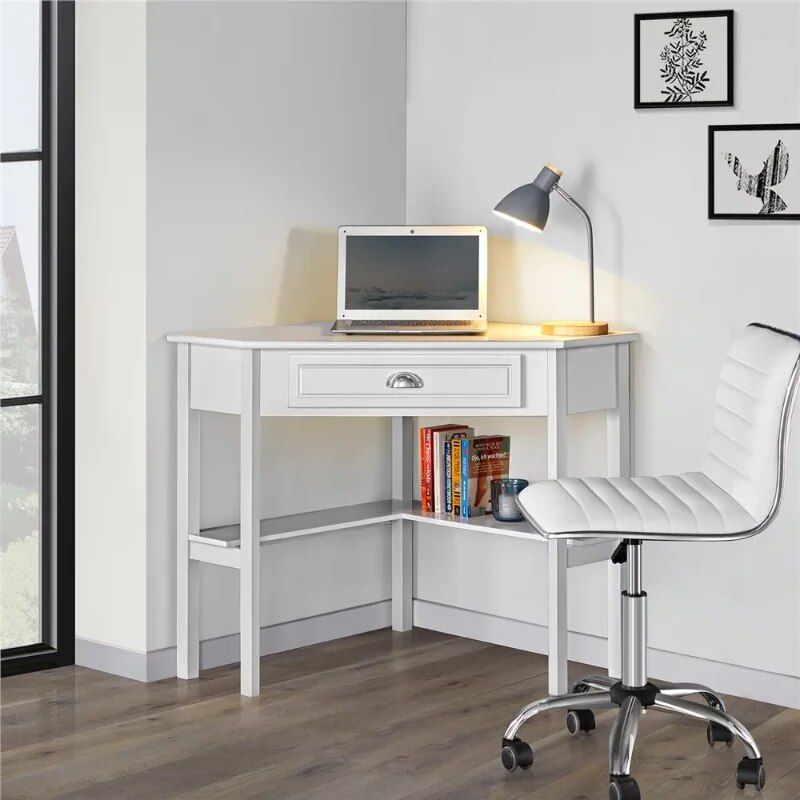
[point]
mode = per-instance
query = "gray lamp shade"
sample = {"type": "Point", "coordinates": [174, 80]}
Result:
{"type": "Point", "coordinates": [529, 205]}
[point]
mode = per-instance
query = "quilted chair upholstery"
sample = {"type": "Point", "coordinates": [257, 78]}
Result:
{"type": "Point", "coordinates": [737, 486]}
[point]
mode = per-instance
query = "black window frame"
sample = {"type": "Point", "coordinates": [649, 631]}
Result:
{"type": "Point", "coordinates": [56, 154]}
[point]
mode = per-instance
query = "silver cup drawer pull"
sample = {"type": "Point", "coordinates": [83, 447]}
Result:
{"type": "Point", "coordinates": [404, 380]}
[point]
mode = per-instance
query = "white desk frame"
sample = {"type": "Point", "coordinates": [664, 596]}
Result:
{"type": "Point", "coordinates": [304, 370]}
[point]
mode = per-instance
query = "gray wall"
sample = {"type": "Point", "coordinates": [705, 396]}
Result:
{"type": "Point", "coordinates": [494, 91]}
{"type": "Point", "coordinates": [268, 125]}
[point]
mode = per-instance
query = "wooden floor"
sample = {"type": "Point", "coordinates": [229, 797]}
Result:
{"type": "Point", "coordinates": [375, 717]}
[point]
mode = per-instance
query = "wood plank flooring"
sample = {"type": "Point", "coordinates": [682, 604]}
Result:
{"type": "Point", "coordinates": [382, 716]}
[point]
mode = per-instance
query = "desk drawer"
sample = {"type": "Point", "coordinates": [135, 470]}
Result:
{"type": "Point", "coordinates": [404, 381]}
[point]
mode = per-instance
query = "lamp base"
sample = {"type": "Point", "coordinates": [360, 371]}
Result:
{"type": "Point", "coordinates": [574, 327]}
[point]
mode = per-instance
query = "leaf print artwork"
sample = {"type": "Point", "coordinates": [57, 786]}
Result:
{"type": "Point", "coordinates": [681, 69]}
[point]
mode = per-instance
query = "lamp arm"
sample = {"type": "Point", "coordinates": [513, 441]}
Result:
{"type": "Point", "coordinates": [574, 203]}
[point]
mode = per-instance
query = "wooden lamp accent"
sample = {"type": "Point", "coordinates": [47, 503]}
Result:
{"type": "Point", "coordinates": [529, 206]}
{"type": "Point", "coordinates": [574, 327]}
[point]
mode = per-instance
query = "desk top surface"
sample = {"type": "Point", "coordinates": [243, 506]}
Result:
{"type": "Point", "coordinates": [318, 334]}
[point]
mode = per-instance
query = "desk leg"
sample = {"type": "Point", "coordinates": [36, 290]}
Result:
{"type": "Point", "coordinates": [188, 522]}
{"type": "Point", "coordinates": [618, 464]}
{"type": "Point", "coordinates": [557, 548]}
{"type": "Point", "coordinates": [250, 521]}
{"type": "Point", "coordinates": [557, 616]}
{"type": "Point", "coordinates": [402, 530]}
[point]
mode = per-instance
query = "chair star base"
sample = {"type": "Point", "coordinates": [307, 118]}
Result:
{"type": "Point", "coordinates": [632, 702]}
{"type": "Point", "coordinates": [632, 696]}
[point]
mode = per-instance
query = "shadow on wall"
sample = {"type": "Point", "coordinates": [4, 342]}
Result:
{"type": "Point", "coordinates": [605, 216]}
{"type": "Point", "coordinates": [530, 282]}
{"type": "Point", "coordinates": [615, 243]}
{"type": "Point", "coordinates": [307, 291]}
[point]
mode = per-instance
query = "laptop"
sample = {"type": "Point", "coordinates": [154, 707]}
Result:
{"type": "Point", "coordinates": [411, 279]}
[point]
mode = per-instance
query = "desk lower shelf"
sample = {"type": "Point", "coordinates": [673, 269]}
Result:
{"type": "Point", "coordinates": [220, 545]}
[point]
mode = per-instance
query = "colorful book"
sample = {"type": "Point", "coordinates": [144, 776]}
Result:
{"type": "Point", "coordinates": [425, 469]}
{"type": "Point", "coordinates": [455, 500]}
{"type": "Point", "coordinates": [448, 477]}
{"type": "Point", "coordinates": [441, 435]}
{"type": "Point", "coordinates": [483, 459]}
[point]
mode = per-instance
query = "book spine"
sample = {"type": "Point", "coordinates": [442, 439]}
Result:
{"type": "Point", "coordinates": [465, 477]}
{"type": "Point", "coordinates": [456, 462]}
{"type": "Point", "coordinates": [427, 469]}
{"type": "Point", "coordinates": [438, 471]}
{"type": "Point", "coordinates": [448, 476]}
{"type": "Point", "coordinates": [422, 500]}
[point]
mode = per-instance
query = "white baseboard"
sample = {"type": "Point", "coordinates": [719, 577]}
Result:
{"type": "Point", "coordinates": [110, 658]}
{"type": "Point", "coordinates": [158, 664]}
{"type": "Point", "coordinates": [769, 687]}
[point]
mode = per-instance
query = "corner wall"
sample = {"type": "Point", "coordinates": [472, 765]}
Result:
{"type": "Point", "coordinates": [110, 325]}
{"type": "Point", "coordinates": [220, 145]}
{"type": "Point", "coordinates": [497, 89]}
{"type": "Point", "coordinates": [268, 126]}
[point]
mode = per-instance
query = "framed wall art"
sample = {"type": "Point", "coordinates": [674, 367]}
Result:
{"type": "Point", "coordinates": [754, 172]}
{"type": "Point", "coordinates": [683, 59]}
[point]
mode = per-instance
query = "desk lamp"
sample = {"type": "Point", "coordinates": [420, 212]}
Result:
{"type": "Point", "coordinates": [529, 206]}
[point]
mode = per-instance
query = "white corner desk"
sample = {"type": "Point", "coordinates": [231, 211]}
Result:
{"type": "Point", "coordinates": [307, 371]}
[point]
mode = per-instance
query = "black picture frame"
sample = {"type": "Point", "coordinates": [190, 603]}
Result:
{"type": "Point", "coordinates": [712, 163]}
{"type": "Point", "coordinates": [639, 18]}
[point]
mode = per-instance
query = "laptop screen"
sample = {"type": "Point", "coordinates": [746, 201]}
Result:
{"type": "Point", "coordinates": [412, 273]}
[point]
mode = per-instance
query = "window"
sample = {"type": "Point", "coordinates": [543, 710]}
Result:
{"type": "Point", "coordinates": [36, 334]}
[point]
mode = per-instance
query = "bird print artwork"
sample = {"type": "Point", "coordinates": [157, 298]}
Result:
{"type": "Point", "coordinates": [760, 185]}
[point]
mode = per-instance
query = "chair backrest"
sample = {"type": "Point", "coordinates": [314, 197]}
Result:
{"type": "Point", "coordinates": [753, 408]}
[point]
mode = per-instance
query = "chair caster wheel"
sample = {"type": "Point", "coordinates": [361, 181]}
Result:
{"type": "Point", "coordinates": [623, 787]}
{"type": "Point", "coordinates": [516, 753]}
{"type": "Point", "coordinates": [717, 733]}
{"type": "Point", "coordinates": [751, 772]}
{"type": "Point", "coordinates": [578, 721]}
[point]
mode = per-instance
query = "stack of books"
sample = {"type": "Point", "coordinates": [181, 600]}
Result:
{"type": "Point", "coordinates": [457, 469]}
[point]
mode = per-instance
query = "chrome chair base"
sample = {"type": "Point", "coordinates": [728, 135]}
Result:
{"type": "Point", "coordinates": [603, 692]}
{"type": "Point", "coordinates": [634, 695]}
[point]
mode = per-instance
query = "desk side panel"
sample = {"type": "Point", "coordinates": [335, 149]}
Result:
{"type": "Point", "coordinates": [591, 379]}
{"type": "Point", "coordinates": [534, 382]}
{"type": "Point", "coordinates": [215, 379]}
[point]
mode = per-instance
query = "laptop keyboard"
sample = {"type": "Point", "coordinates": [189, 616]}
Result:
{"type": "Point", "coordinates": [408, 323]}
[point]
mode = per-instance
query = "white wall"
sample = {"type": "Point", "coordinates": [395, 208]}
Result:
{"type": "Point", "coordinates": [110, 325]}
{"type": "Point", "coordinates": [268, 126]}
{"type": "Point", "coordinates": [494, 91]}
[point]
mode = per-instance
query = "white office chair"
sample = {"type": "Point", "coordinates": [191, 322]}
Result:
{"type": "Point", "coordinates": [737, 495]}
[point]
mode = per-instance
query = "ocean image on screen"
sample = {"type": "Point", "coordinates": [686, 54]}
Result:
{"type": "Point", "coordinates": [412, 273]}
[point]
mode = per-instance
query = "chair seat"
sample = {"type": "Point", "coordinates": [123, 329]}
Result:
{"type": "Point", "coordinates": [685, 504]}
